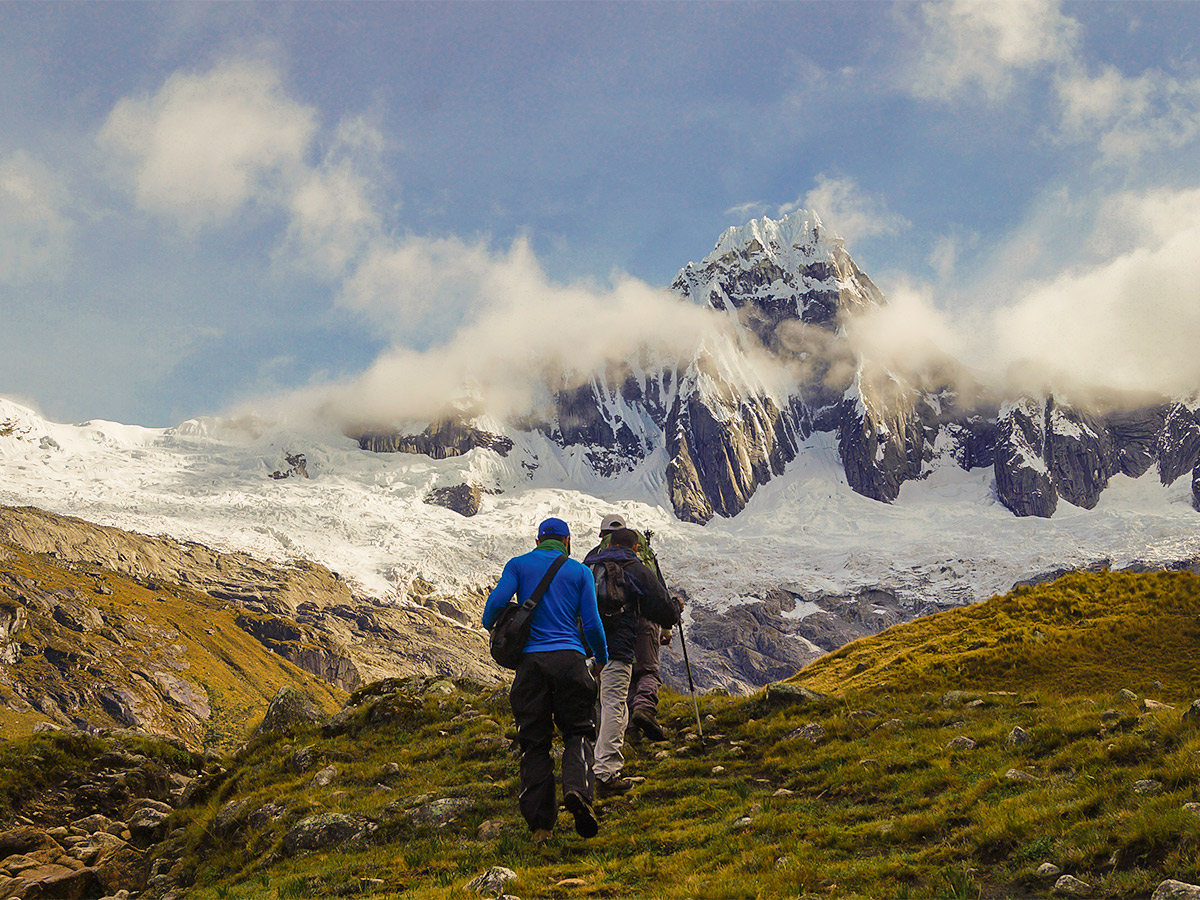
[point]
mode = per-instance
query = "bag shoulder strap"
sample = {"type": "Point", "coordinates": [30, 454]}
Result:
{"type": "Point", "coordinates": [536, 597]}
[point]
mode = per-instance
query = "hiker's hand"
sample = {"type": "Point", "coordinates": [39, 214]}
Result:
{"type": "Point", "coordinates": [664, 639]}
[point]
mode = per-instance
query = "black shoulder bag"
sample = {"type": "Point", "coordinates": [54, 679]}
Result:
{"type": "Point", "coordinates": [511, 631]}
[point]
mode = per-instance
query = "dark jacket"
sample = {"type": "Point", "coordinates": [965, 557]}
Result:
{"type": "Point", "coordinates": [650, 600]}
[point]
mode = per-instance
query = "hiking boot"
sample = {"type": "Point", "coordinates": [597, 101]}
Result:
{"type": "Point", "coordinates": [612, 787]}
{"type": "Point", "coordinates": [586, 823]}
{"type": "Point", "coordinates": [648, 726]}
{"type": "Point", "coordinates": [541, 836]}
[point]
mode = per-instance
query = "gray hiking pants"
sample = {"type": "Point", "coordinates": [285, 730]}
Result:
{"type": "Point", "coordinates": [614, 716]}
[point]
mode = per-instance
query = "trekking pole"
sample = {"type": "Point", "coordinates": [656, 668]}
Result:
{"type": "Point", "coordinates": [691, 684]}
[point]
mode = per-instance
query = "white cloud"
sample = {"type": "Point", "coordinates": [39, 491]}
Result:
{"type": "Point", "coordinates": [333, 212]}
{"type": "Point", "coordinates": [34, 227]}
{"type": "Point", "coordinates": [1129, 323]}
{"type": "Point", "coordinates": [744, 212]}
{"type": "Point", "coordinates": [504, 329]}
{"type": "Point", "coordinates": [981, 45]}
{"type": "Point", "coordinates": [1129, 116]}
{"type": "Point", "coordinates": [205, 144]}
{"type": "Point", "coordinates": [850, 211]}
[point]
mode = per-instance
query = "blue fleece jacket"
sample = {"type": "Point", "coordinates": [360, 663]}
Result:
{"type": "Point", "coordinates": [571, 599]}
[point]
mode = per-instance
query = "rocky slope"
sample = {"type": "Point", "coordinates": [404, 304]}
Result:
{"type": "Point", "coordinates": [85, 648]}
{"type": "Point", "coordinates": [789, 288]}
{"type": "Point", "coordinates": [300, 610]}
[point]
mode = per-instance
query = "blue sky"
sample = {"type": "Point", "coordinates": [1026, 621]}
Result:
{"type": "Point", "coordinates": [203, 204]}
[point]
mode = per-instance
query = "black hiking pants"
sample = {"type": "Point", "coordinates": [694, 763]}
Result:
{"type": "Point", "coordinates": [553, 688]}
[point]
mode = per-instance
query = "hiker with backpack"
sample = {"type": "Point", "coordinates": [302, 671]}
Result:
{"type": "Point", "coordinates": [645, 682]}
{"type": "Point", "coordinates": [626, 590]}
{"type": "Point", "coordinates": [552, 682]}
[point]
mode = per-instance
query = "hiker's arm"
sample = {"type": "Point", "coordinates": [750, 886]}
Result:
{"type": "Point", "coordinates": [500, 595]}
{"type": "Point", "coordinates": [656, 604]}
{"type": "Point", "coordinates": [589, 616]}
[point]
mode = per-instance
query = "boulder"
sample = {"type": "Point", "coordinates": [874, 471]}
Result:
{"type": "Point", "coordinates": [148, 825]}
{"type": "Point", "coordinates": [25, 839]}
{"type": "Point", "coordinates": [784, 693]}
{"type": "Point", "coordinates": [288, 709]}
{"type": "Point", "coordinates": [962, 742]}
{"type": "Point", "coordinates": [326, 830]}
{"type": "Point", "coordinates": [325, 777]}
{"type": "Point", "coordinates": [1191, 716]}
{"type": "Point", "coordinates": [1176, 890]}
{"type": "Point", "coordinates": [229, 817]}
{"type": "Point", "coordinates": [264, 815]}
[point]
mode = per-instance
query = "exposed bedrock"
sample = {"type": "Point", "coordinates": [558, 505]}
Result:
{"type": "Point", "coordinates": [1079, 454]}
{"type": "Point", "coordinates": [1178, 442]}
{"type": "Point", "coordinates": [1023, 482]}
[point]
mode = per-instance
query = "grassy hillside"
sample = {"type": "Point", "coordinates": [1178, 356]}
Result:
{"type": "Point", "coordinates": [862, 793]}
{"type": "Point", "coordinates": [85, 644]}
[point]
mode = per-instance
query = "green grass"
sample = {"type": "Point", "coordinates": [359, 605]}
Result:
{"type": "Point", "coordinates": [880, 807]}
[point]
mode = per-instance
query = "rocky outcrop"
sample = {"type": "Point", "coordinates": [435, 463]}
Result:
{"type": "Point", "coordinates": [340, 632]}
{"type": "Point", "coordinates": [305, 646]}
{"type": "Point", "coordinates": [1135, 434]}
{"type": "Point", "coordinates": [1178, 442]}
{"type": "Point", "coordinates": [447, 437]}
{"type": "Point", "coordinates": [1079, 454]}
{"type": "Point", "coordinates": [288, 708]}
{"type": "Point", "coordinates": [463, 499]}
{"type": "Point", "coordinates": [723, 445]}
{"type": "Point", "coordinates": [1023, 482]}
{"type": "Point", "coordinates": [297, 467]}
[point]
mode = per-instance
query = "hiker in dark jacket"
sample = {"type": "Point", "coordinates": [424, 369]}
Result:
{"type": "Point", "coordinates": [645, 682]}
{"type": "Point", "coordinates": [645, 596]}
{"type": "Point", "coordinates": [552, 683]}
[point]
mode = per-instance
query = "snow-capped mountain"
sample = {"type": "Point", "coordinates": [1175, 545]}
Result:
{"type": "Point", "coordinates": [763, 492]}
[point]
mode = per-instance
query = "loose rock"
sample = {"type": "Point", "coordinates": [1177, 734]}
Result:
{"type": "Point", "coordinates": [325, 777]}
{"type": "Point", "coordinates": [492, 882]}
{"type": "Point", "coordinates": [1018, 737]}
{"type": "Point", "coordinates": [1070, 886]}
{"type": "Point", "coordinates": [1048, 870]}
{"type": "Point", "coordinates": [962, 742]}
{"type": "Point", "coordinates": [1147, 786]}
{"type": "Point", "coordinates": [440, 813]}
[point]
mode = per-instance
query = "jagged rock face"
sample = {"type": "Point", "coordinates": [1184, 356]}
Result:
{"type": "Point", "coordinates": [1023, 482]}
{"type": "Point", "coordinates": [774, 272]}
{"type": "Point", "coordinates": [723, 446]}
{"type": "Point", "coordinates": [1178, 442]}
{"type": "Point", "coordinates": [1135, 438]}
{"type": "Point", "coordinates": [442, 439]}
{"type": "Point", "coordinates": [1079, 453]}
{"type": "Point", "coordinates": [974, 440]}
{"type": "Point", "coordinates": [879, 453]}
{"type": "Point", "coordinates": [1196, 488]}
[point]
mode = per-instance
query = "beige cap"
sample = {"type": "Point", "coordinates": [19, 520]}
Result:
{"type": "Point", "coordinates": [611, 523]}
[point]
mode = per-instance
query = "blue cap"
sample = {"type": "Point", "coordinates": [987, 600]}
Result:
{"type": "Point", "coordinates": [553, 528]}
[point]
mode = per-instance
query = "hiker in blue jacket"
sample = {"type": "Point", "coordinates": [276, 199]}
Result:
{"type": "Point", "coordinates": [553, 683]}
